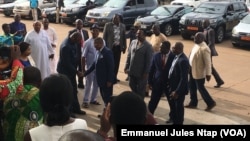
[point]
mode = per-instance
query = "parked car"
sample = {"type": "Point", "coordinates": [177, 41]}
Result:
{"type": "Point", "coordinates": [7, 9]}
{"type": "Point", "coordinates": [6, 1]}
{"type": "Point", "coordinates": [78, 10]}
{"type": "Point", "coordinates": [25, 11]}
{"type": "Point", "coordinates": [223, 16]}
{"type": "Point", "coordinates": [50, 12]}
{"type": "Point", "coordinates": [167, 16]}
{"type": "Point", "coordinates": [241, 32]}
{"type": "Point", "coordinates": [192, 3]}
{"type": "Point", "coordinates": [129, 9]}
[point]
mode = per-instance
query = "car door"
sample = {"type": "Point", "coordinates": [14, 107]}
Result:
{"type": "Point", "coordinates": [129, 12]}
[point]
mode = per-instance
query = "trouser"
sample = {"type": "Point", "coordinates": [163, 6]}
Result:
{"type": "Point", "coordinates": [157, 91]}
{"type": "Point", "coordinates": [91, 88]}
{"type": "Point", "coordinates": [34, 14]}
{"type": "Point", "coordinates": [117, 57]}
{"type": "Point", "coordinates": [199, 84]}
{"type": "Point", "coordinates": [58, 14]}
{"type": "Point", "coordinates": [75, 104]}
{"type": "Point", "coordinates": [216, 75]}
{"type": "Point", "coordinates": [178, 109]}
{"type": "Point", "coordinates": [138, 85]}
{"type": "Point", "coordinates": [106, 94]}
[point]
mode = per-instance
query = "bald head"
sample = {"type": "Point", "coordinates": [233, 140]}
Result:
{"type": "Point", "coordinates": [37, 26]}
{"type": "Point", "coordinates": [81, 135]}
{"type": "Point", "coordinates": [178, 48]}
{"type": "Point", "coordinates": [199, 37]}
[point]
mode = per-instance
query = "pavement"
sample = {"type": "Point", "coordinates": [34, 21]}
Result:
{"type": "Point", "coordinates": [192, 116]}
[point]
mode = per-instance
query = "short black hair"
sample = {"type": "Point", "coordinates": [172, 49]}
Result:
{"type": "Point", "coordinates": [128, 108]}
{"type": "Point", "coordinates": [4, 25]}
{"type": "Point", "coordinates": [56, 95]}
{"type": "Point", "coordinates": [23, 46]}
{"type": "Point", "coordinates": [166, 44]}
{"type": "Point", "coordinates": [5, 52]}
{"type": "Point", "coordinates": [32, 75]}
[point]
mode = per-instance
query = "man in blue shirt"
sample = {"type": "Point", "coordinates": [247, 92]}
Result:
{"type": "Point", "coordinates": [34, 6]}
{"type": "Point", "coordinates": [8, 39]}
{"type": "Point", "coordinates": [18, 26]}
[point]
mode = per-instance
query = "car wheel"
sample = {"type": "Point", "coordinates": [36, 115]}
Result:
{"type": "Point", "coordinates": [168, 29]}
{"type": "Point", "coordinates": [185, 36]}
{"type": "Point", "coordinates": [7, 13]}
{"type": "Point", "coordinates": [219, 35]}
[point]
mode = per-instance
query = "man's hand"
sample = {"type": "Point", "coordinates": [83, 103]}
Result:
{"type": "Point", "coordinates": [51, 56]}
{"type": "Point", "coordinates": [174, 95]}
{"type": "Point", "coordinates": [208, 77]}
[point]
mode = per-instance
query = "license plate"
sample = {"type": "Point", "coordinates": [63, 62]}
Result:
{"type": "Point", "coordinates": [63, 14]}
{"type": "Point", "coordinates": [143, 26]}
{"type": "Point", "coordinates": [192, 28]}
{"type": "Point", "coordinates": [92, 20]}
{"type": "Point", "coordinates": [246, 38]}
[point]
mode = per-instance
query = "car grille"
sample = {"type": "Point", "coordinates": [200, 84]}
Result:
{"type": "Point", "coordinates": [194, 22]}
{"type": "Point", "coordinates": [94, 14]}
{"type": "Point", "coordinates": [244, 34]}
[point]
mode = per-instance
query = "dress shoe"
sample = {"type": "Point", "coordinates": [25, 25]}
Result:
{"type": "Point", "coordinates": [209, 108]}
{"type": "Point", "coordinates": [72, 115]}
{"type": "Point", "coordinates": [127, 79]}
{"type": "Point", "coordinates": [81, 86]}
{"type": "Point", "coordinates": [218, 85]}
{"type": "Point", "coordinates": [80, 112]}
{"type": "Point", "coordinates": [169, 121]}
{"type": "Point", "coordinates": [85, 105]}
{"type": "Point", "coordinates": [95, 103]}
{"type": "Point", "coordinates": [190, 106]}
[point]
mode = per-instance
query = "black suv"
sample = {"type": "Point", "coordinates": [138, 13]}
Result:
{"type": "Point", "coordinates": [223, 16]}
{"type": "Point", "coordinates": [78, 10]}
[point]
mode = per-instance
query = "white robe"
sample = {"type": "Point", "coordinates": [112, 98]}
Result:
{"type": "Point", "coordinates": [40, 50]}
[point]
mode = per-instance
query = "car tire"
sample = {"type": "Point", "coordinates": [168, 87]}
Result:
{"type": "Point", "coordinates": [185, 36]}
{"type": "Point", "coordinates": [168, 30]}
{"type": "Point", "coordinates": [7, 13]}
{"type": "Point", "coordinates": [219, 35]}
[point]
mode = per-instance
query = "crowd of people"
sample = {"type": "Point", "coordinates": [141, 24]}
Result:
{"type": "Point", "coordinates": [38, 88]}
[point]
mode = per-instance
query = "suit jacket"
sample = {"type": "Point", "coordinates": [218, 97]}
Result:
{"type": "Point", "coordinates": [157, 74]}
{"type": "Point", "coordinates": [104, 67]}
{"type": "Point", "coordinates": [178, 80]}
{"type": "Point", "coordinates": [200, 61]}
{"type": "Point", "coordinates": [138, 59]}
{"type": "Point", "coordinates": [67, 63]}
{"type": "Point", "coordinates": [79, 49]}
{"type": "Point", "coordinates": [210, 40]}
{"type": "Point", "coordinates": [108, 35]}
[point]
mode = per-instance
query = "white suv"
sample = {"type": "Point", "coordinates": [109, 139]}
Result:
{"type": "Point", "coordinates": [24, 9]}
{"type": "Point", "coordinates": [192, 3]}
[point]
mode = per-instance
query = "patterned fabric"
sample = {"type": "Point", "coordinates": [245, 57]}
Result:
{"type": "Point", "coordinates": [14, 83]}
{"type": "Point", "coordinates": [22, 112]}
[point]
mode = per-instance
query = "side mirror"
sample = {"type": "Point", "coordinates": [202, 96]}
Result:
{"type": "Point", "coordinates": [127, 8]}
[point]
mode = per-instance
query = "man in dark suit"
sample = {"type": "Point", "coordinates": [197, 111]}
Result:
{"type": "Point", "coordinates": [67, 65]}
{"type": "Point", "coordinates": [104, 67]}
{"type": "Point", "coordinates": [159, 67]}
{"type": "Point", "coordinates": [85, 36]}
{"type": "Point", "coordinates": [114, 34]}
{"type": "Point", "coordinates": [209, 39]}
{"type": "Point", "coordinates": [178, 83]}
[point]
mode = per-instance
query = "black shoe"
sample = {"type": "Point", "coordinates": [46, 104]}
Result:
{"type": "Point", "coordinates": [209, 108]}
{"type": "Point", "coordinates": [95, 103]}
{"type": "Point", "coordinates": [72, 115]}
{"type": "Point", "coordinates": [80, 112]}
{"type": "Point", "coordinates": [169, 121]}
{"type": "Point", "coordinates": [81, 86]}
{"type": "Point", "coordinates": [218, 85]}
{"type": "Point", "coordinates": [190, 106]}
{"type": "Point", "coordinates": [127, 79]}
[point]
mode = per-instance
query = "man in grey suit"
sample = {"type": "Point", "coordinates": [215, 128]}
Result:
{"type": "Point", "coordinates": [138, 63]}
{"type": "Point", "coordinates": [115, 39]}
{"type": "Point", "coordinates": [209, 39]}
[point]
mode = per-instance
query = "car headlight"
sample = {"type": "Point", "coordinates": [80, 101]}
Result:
{"type": "Point", "coordinates": [105, 14]}
{"type": "Point", "coordinates": [235, 32]}
{"type": "Point", "coordinates": [182, 20]}
{"type": "Point", "coordinates": [212, 21]}
{"type": "Point", "coordinates": [75, 9]}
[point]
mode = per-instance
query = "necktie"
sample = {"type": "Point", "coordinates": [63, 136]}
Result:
{"type": "Point", "coordinates": [172, 66]}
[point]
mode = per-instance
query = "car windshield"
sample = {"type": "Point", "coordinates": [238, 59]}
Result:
{"type": "Point", "coordinates": [211, 8]}
{"type": "Point", "coordinates": [19, 1]}
{"type": "Point", "coordinates": [66, 2]}
{"type": "Point", "coordinates": [163, 11]}
{"type": "Point", "coordinates": [246, 19]}
{"type": "Point", "coordinates": [115, 3]}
